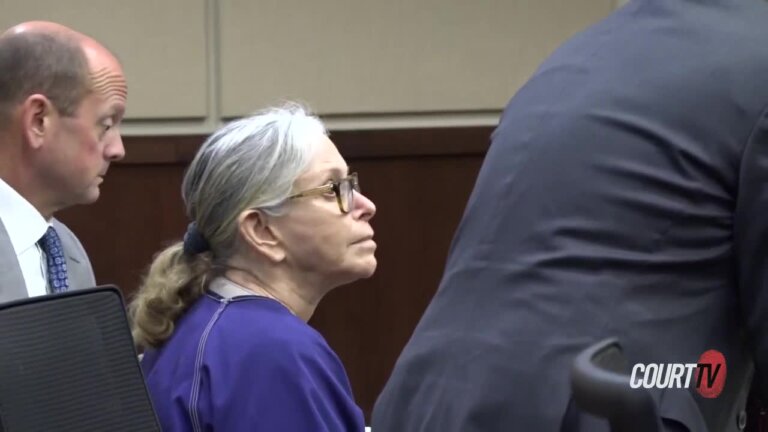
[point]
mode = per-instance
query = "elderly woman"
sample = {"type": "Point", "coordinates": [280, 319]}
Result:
{"type": "Point", "coordinates": [278, 222]}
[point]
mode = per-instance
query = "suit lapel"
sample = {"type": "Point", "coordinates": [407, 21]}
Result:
{"type": "Point", "coordinates": [74, 268]}
{"type": "Point", "coordinates": [79, 270]}
{"type": "Point", "coordinates": [12, 285]}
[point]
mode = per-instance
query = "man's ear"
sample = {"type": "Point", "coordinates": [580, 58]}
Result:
{"type": "Point", "coordinates": [259, 235]}
{"type": "Point", "coordinates": [37, 114]}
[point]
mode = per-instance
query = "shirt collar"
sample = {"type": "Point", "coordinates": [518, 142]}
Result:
{"type": "Point", "coordinates": [228, 289]}
{"type": "Point", "coordinates": [24, 224]}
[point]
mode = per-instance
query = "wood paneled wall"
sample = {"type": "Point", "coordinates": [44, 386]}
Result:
{"type": "Point", "coordinates": [420, 180]}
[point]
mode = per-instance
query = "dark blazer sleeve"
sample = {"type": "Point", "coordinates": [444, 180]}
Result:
{"type": "Point", "coordinates": [751, 243]}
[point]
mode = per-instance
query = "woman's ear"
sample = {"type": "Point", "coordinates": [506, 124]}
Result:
{"type": "Point", "coordinates": [259, 236]}
{"type": "Point", "coordinates": [36, 117]}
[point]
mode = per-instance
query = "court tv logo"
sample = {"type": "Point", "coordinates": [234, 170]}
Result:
{"type": "Point", "coordinates": [707, 375]}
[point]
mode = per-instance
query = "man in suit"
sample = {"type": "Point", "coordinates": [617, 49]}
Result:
{"type": "Point", "coordinates": [62, 98]}
{"type": "Point", "coordinates": [625, 193]}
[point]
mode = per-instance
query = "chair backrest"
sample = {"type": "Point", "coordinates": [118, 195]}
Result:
{"type": "Point", "coordinates": [601, 387]}
{"type": "Point", "coordinates": [68, 363]}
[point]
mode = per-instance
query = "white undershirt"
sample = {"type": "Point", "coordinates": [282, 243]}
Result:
{"type": "Point", "coordinates": [228, 289]}
{"type": "Point", "coordinates": [25, 226]}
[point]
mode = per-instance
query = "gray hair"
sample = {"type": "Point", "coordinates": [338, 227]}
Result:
{"type": "Point", "coordinates": [249, 163]}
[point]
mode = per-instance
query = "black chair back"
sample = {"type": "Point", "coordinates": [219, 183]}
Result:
{"type": "Point", "coordinates": [68, 363]}
{"type": "Point", "coordinates": [601, 387]}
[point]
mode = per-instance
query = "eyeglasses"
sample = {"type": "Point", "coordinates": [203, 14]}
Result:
{"type": "Point", "coordinates": [344, 190]}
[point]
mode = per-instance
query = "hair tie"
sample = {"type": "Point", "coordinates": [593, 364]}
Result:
{"type": "Point", "coordinates": [194, 242]}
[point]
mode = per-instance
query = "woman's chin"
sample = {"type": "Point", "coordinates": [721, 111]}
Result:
{"type": "Point", "coordinates": [363, 269]}
{"type": "Point", "coordinates": [370, 267]}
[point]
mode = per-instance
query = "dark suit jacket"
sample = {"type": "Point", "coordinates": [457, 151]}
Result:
{"type": "Point", "coordinates": [625, 194]}
{"type": "Point", "coordinates": [79, 271]}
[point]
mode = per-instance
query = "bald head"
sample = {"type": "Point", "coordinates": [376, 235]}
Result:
{"type": "Point", "coordinates": [58, 62]}
{"type": "Point", "coordinates": [98, 56]}
{"type": "Point", "coordinates": [42, 27]}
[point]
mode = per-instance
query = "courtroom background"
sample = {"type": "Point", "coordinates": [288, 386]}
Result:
{"type": "Point", "coordinates": [411, 90]}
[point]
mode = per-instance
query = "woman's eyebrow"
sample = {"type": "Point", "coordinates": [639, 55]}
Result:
{"type": "Point", "coordinates": [330, 172]}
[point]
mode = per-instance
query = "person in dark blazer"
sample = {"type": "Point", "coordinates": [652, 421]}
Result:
{"type": "Point", "coordinates": [62, 98]}
{"type": "Point", "coordinates": [625, 193]}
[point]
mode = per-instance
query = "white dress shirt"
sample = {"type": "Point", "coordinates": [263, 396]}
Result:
{"type": "Point", "coordinates": [25, 226]}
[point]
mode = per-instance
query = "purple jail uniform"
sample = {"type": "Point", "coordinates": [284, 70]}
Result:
{"type": "Point", "coordinates": [246, 363]}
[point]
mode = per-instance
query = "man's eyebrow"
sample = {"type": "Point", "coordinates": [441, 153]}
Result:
{"type": "Point", "coordinates": [114, 112]}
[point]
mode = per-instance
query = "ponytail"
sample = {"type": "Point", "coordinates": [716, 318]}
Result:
{"type": "Point", "coordinates": [175, 280]}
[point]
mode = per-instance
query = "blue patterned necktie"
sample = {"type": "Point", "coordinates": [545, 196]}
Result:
{"type": "Point", "coordinates": [57, 265]}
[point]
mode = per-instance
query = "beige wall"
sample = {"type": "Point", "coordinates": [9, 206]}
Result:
{"type": "Point", "coordinates": [160, 43]}
{"type": "Point", "coordinates": [190, 63]}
